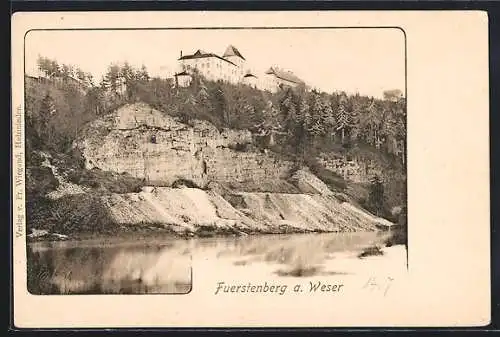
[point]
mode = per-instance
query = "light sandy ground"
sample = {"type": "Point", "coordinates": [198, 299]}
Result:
{"type": "Point", "coordinates": [65, 187]}
{"type": "Point", "coordinates": [188, 207]}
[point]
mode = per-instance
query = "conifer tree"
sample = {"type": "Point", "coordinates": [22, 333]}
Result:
{"type": "Point", "coordinates": [342, 118]}
{"type": "Point", "coordinates": [316, 127]}
{"type": "Point", "coordinates": [303, 116]}
{"type": "Point", "coordinates": [112, 79]}
{"type": "Point", "coordinates": [65, 71]}
{"type": "Point", "coordinates": [376, 198]}
{"type": "Point", "coordinates": [143, 74]}
{"type": "Point", "coordinates": [328, 118]}
{"type": "Point", "coordinates": [48, 108]}
{"type": "Point", "coordinates": [48, 67]}
{"type": "Point", "coordinates": [203, 96]}
{"type": "Point", "coordinates": [288, 111]}
{"type": "Point", "coordinates": [218, 105]}
{"type": "Point", "coordinates": [127, 73]}
{"type": "Point", "coordinates": [81, 75]}
{"type": "Point", "coordinates": [90, 79]}
{"type": "Point", "coordinates": [354, 117]}
{"type": "Point", "coordinates": [307, 118]}
{"type": "Point", "coordinates": [55, 69]}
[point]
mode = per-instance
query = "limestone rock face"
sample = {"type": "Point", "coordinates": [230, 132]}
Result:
{"type": "Point", "coordinates": [359, 171]}
{"type": "Point", "coordinates": [148, 144]}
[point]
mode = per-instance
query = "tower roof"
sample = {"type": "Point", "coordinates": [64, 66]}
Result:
{"type": "Point", "coordinates": [284, 75]}
{"type": "Point", "coordinates": [203, 54]}
{"type": "Point", "coordinates": [232, 51]}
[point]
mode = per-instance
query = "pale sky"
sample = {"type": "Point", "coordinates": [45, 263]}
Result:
{"type": "Point", "coordinates": [367, 61]}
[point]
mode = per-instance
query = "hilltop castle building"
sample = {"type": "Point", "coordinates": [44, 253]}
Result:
{"type": "Point", "coordinates": [231, 67]}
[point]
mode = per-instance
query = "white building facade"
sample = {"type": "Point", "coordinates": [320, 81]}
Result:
{"type": "Point", "coordinates": [231, 67]}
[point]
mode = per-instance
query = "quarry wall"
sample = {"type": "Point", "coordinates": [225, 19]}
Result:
{"type": "Point", "coordinates": [354, 170]}
{"type": "Point", "coordinates": [148, 144]}
{"type": "Point", "coordinates": [154, 146]}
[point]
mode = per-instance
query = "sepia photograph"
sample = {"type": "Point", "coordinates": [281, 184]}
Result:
{"type": "Point", "coordinates": [250, 169]}
{"type": "Point", "coordinates": [280, 152]}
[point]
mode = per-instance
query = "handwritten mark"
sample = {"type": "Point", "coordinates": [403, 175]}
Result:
{"type": "Point", "coordinates": [375, 285]}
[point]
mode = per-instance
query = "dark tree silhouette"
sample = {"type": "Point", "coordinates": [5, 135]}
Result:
{"type": "Point", "coordinates": [376, 198]}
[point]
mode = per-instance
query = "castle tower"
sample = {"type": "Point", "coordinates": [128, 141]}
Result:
{"type": "Point", "coordinates": [233, 55]}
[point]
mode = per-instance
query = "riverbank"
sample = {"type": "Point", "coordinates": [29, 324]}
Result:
{"type": "Point", "coordinates": [156, 236]}
{"type": "Point", "coordinates": [145, 232]}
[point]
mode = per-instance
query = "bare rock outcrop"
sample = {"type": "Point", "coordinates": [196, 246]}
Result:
{"type": "Point", "coordinates": [150, 145]}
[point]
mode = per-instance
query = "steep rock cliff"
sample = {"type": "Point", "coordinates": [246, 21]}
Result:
{"type": "Point", "coordinates": [153, 146]}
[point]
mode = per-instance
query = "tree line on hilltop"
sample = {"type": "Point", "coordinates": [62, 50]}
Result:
{"type": "Point", "coordinates": [304, 118]}
{"type": "Point", "coordinates": [53, 70]}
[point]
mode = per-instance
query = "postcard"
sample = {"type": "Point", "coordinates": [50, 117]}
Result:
{"type": "Point", "coordinates": [250, 169]}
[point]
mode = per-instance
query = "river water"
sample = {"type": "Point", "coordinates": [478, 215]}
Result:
{"type": "Point", "coordinates": [167, 266]}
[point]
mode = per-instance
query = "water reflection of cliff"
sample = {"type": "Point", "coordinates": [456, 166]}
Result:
{"type": "Point", "coordinates": [293, 255]}
{"type": "Point", "coordinates": [164, 266]}
{"type": "Point", "coordinates": [108, 270]}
